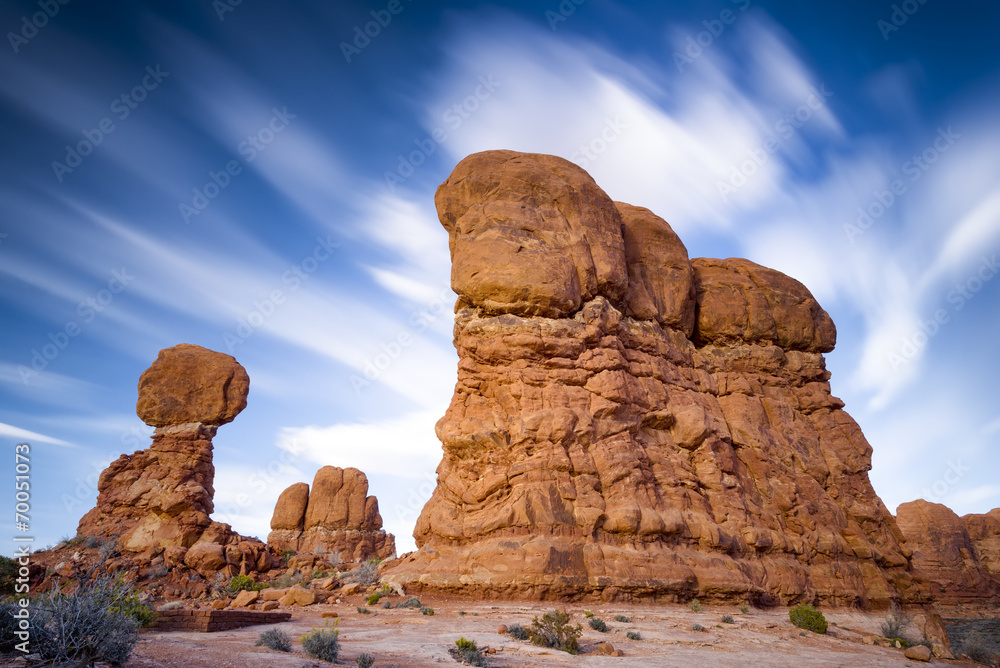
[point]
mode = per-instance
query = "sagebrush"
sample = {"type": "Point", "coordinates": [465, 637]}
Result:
{"type": "Point", "coordinates": [366, 573]}
{"type": "Point", "coordinates": [598, 624]}
{"type": "Point", "coordinates": [895, 624]}
{"type": "Point", "coordinates": [276, 639]}
{"type": "Point", "coordinates": [807, 617]}
{"type": "Point", "coordinates": [322, 644]}
{"type": "Point", "coordinates": [517, 632]}
{"type": "Point", "coordinates": [99, 620]}
{"type": "Point", "coordinates": [554, 630]}
{"type": "Point", "coordinates": [468, 652]}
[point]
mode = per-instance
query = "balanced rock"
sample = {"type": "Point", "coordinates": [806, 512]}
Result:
{"type": "Point", "coordinates": [160, 499]}
{"type": "Point", "coordinates": [189, 383]}
{"type": "Point", "coordinates": [945, 554]}
{"type": "Point", "coordinates": [628, 423]}
{"type": "Point", "coordinates": [336, 516]}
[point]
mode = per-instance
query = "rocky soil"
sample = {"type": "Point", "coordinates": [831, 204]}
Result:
{"type": "Point", "coordinates": [405, 637]}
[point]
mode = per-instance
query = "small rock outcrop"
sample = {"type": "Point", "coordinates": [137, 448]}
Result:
{"type": "Point", "coordinates": [630, 423]}
{"type": "Point", "coordinates": [159, 501]}
{"type": "Point", "coordinates": [956, 555]}
{"type": "Point", "coordinates": [336, 516]}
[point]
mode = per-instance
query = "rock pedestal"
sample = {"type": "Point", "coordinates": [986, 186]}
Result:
{"type": "Point", "coordinates": [628, 423]}
{"type": "Point", "coordinates": [337, 516]}
{"type": "Point", "coordinates": [159, 500]}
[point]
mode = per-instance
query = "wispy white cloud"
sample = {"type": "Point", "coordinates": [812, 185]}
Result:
{"type": "Point", "coordinates": [10, 431]}
{"type": "Point", "coordinates": [401, 446]}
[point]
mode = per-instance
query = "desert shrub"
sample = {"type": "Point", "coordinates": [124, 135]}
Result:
{"type": "Point", "coordinates": [333, 558]}
{"type": "Point", "coordinates": [240, 583]}
{"type": "Point", "coordinates": [554, 630]}
{"type": "Point", "coordinates": [276, 639]}
{"type": "Point", "coordinates": [598, 624]}
{"type": "Point", "coordinates": [366, 573]}
{"type": "Point", "coordinates": [87, 625]}
{"type": "Point", "coordinates": [412, 602]}
{"type": "Point", "coordinates": [517, 632]}
{"type": "Point", "coordinates": [624, 619]}
{"type": "Point", "coordinates": [744, 608]}
{"type": "Point", "coordinates": [807, 617]}
{"type": "Point", "coordinates": [728, 619]}
{"type": "Point", "coordinates": [697, 627]}
{"type": "Point", "coordinates": [695, 605]}
{"type": "Point", "coordinates": [894, 625]}
{"type": "Point", "coordinates": [366, 661]}
{"type": "Point", "coordinates": [633, 635]}
{"type": "Point", "coordinates": [427, 611]}
{"type": "Point", "coordinates": [461, 612]}
{"type": "Point", "coordinates": [170, 605]}
{"type": "Point", "coordinates": [467, 651]}
{"type": "Point", "coordinates": [322, 644]}
{"type": "Point", "coordinates": [8, 575]}
{"type": "Point", "coordinates": [287, 554]}
{"type": "Point", "coordinates": [158, 572]}
{"type": "Point", "coordinates": [588, 614]}
{"type": "Point", "coordinates": [386, 604]}
{"type": "Point", "coordinates": [8, 625]}
{"type": "Point", "coordinates": [373, 599]}
{"type": "Point", "coordinates": [364, 611]}
{"type": "Point", "coordinates": [977, 648]}
{"type": "Point", "coordinates": [285, 581]}
{"type": "Point", "coordinates": [136, 609]}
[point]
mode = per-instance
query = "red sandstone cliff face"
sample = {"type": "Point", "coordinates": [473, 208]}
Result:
{"type": "Point", "coordinates": [337, 516]}
{"type": "Point", "coordinates": [984, 532]}
{"type": "Point", "coordinates": [627, 423]}
{"type": "Point", "coordinates": [956, 555]}
{"type": "Point", "coordinates": [159, 501]}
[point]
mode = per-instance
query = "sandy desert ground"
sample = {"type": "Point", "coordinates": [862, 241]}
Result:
{"type": "Point", "coordinates": [405, 637]}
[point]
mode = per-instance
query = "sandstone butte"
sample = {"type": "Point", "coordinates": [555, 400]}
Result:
{"type": "Point", "coordinates": [629, 423]}
{"type": "Point", "coordinates": [338, 516]}
{"type": "Point", "coordinates": [158, 501]}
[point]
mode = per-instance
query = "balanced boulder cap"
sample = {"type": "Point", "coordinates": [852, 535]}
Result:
{"type": "Point", "coordinates": [630, 423]}
{"type": "Point", "coordinates": [188, 383]}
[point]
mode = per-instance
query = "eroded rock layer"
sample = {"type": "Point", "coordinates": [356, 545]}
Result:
{"type": "Point", "coordinates": [158, 501]}
{"type": "Point", "coordinates": [627, 423]}
{"type": "Point", "coordinates": [957, 556]}
{"type": "Point", "coordinates": [337, 516]}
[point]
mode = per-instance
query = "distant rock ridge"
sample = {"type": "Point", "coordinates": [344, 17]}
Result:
{"type": "Point", "coordinates": [158, 501]}
{"type": "Point", "coordinates": [337, 516]}
{"type": "Point", "coordinates": [958, 556]}
{"type": "Point", "coordinates": [629, 423]}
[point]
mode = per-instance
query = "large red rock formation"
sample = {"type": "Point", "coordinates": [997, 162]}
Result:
{"type": "Point", "coordinates": [159, 500]}
{"type": "Point", "coordinates": [337, 516]}
{"type": "Point", "coordinates": [956, 555]}
{"type": "Point", "coordinates": [984, 532]}
{"type": "Point", "coordinates": [628, 423]}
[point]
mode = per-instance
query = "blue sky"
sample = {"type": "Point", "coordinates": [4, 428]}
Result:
{"type": "Point", "coordinates": [258, 178]}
